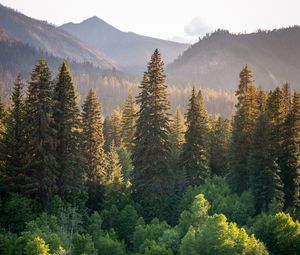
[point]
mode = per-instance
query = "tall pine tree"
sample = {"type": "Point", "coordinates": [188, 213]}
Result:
{"type": "Point", "coordinates": [265, 178]}
{"type": "Point", "coordinates": [113, 171]}
{"type": "Point", "coordinates": [41, 173]}
{"type": "Point", "coordinates": [152, 182]}
{"type": "Point", "coordinates": [128, 122]}
{"type": "Point", "coordinates": [219, 146]}
{"type": "Point", "coordinates": [177, 130]}
{"type": "Point", "coordinates": [291, 155]}
{"type": "Point", "coordinates": [14, 141]}
{"type": "Point", "coordinates": [243, 125]}
{"type": "Point", "coordinates": [93, 140]}
{"type": "Point", "coordinates": [67, 123]}
{"type": "Point", "coordinates": [194, 158]}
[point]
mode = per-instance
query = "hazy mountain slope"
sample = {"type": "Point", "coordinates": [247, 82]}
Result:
{"type": "Point", "coordinates": [216, 60]}
{"type": "Point", "coordinates": [130, 50]}
{"type": "Point", "coordinates": [48, 38]}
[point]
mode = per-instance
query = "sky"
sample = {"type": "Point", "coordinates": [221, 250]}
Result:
{"type": "Point", "coordinates": [179, 20]}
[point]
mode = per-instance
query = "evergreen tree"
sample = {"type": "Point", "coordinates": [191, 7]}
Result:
{"type": "Point", "coordinates": [67, 122]}
{"type": "Point", "coordinates": [277, 111]}
{"type": "Point", "coordinates": [113, 170]}
{"type": "Point", "coordinates": [14, 141]}
{"type": "Point", "coordinates": [93, 140]}
{"type": "Point", "coordinates": [219, 146]}
{"type": "Point", "coordinates": [177, 129]}
{"type": "Point", "coordinates": [243, 125]}
{"type": "Point", "coordinates": [112, 128]}
{"type": "Point", "coordinates": [291, 155]}
{"type": "Point", "coordinates": [129, 122]}
{"type": "Point", "coordinates": [265, 177]}
{"type": "Point", "coordinates": [194, 158]}
{"type": "Point", "coordinates": [116, 124]}
{"type": "Point", "coordinates": [41, 173]}
{"type": "Point", "coordinates": [108, 133]}
{"type": "Point", "coordinates": [152, 177]}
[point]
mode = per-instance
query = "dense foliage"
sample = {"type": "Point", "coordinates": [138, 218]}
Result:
{"type": "Point", "coordinates": [142, 182]}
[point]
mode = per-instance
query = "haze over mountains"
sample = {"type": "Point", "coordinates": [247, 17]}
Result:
{"type": "Point", "coordinates": [216, 60]}
{"type": "Point", "coordinates": [49, 38]}
{"type": "Point", "coordinates": [112, 61]}
{"type": "Point", "coordinates": [131, 51]}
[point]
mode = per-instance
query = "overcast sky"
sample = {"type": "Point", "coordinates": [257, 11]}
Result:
{"type": "Point", "coordinates": [181, 20]}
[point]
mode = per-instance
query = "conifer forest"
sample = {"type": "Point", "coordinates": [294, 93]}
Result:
{"type": "Point", "coordinates": [143, 181]}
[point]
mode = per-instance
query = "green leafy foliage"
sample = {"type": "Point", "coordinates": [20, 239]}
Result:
{"type": "Point", "coordinates": [279, 232]}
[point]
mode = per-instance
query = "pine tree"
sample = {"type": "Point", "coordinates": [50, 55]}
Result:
{"type": "Point", "coordinates": [113, 172]}
{"type": "Point", "coordinates": [177, 130]}
{"type": "Point", "coordinates": [265, 177]}
{"type": "Point", "coordinates": [108, 133]}
{"type": "Point", "coordinates": [116, 123]}
{"type": "Point", "coordinates": [67, 123]}
{"type": "Point", "coordinates": [194, 158]}
{"type": "Point", "coordinates": [219, 146]}
{"type": "Point", "coordinates": [14, 141]}
{"type": "Point", "coordinates": [41, 173]}
{"type": "Point", "coordinates": [243, 125]}
{"type": "Point", "coordinates": [291, 155]}
{"type": "Point", "coordinates": [129, 122]}
{"type": "Point", "coordinates": [277, 111]}
{"type": "Point", "coordinates": [112, 129]}
{"type": "Point", "coordinates": [152, 178]}
{"type": "Point", "coordinates": [93, 140]}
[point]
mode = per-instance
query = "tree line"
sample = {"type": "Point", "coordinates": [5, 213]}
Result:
{"type": "Point", "coordinates": [141, 181]}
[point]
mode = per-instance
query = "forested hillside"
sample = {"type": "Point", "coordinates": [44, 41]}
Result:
{"type": "Point", "coordinates": [46, 37]}
{"type": "Point", "coordinates": [111, 85]}
{"type": "Point", "coordinates": [143, 180]}
{"type": "Point", "coordinates": [215, 60]}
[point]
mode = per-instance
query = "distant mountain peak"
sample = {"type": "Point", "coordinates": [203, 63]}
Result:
{"type": "Point", "coordinates": [132, 51]}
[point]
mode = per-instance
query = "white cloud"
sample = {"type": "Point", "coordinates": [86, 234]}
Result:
{"type": "Point", "coordinates": [197, 27]}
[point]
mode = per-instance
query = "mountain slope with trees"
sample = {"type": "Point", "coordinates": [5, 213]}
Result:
{"type": "Point", "coordinates": [48, 38]}
{"type": "Point", "coordinates": [215, 60]}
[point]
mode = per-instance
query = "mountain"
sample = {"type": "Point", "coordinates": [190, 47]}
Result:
{"type": "Point", "coordinates": [216, 60]}
{"type": "Point", "coordinates": [131, 51]}
{"type": "Point", "coordinates": [49, 38]}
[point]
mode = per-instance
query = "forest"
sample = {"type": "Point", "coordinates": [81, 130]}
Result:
{"type": "Point", "coordinates": [146, 180]}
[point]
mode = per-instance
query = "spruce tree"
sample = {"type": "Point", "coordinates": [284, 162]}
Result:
{"type": "Point", "coordinates": [177, 130]}
{"type": "Point", "coordinates": [14, 141]}
{"type": "Point", "coordinates": [265, 177]}
{"type": "Point", "coordinates": [219, 146]}
{"type": "Point", "coordinates": [41, 173]}
{"type": "Point", "coordinates": [291, 155]}
{"type": "Point", "coordinates": [67, 123]}
{"type": "Point", "coordinates": [152, 182]}
{"type": "Point", "coordinates": [116, 124]}
{"type": "Point", "coordinates": [194, 158]}
{"type": "Point", "coordinates": [112, 128]}
{"type": "Point", "coordinates": [277, 111]}
{"type": "Point", "coordinates": [93, 140]}
{"type": "Point", "coordinates": [107, 132]}
{"type": "Point", "coordinates": [113, 172]}
{"type": "Point", "coordinates": [129, 122]}
{"type": "Point", "coordinates": [243, 125]}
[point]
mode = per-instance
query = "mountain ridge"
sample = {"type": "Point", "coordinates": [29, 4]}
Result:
{"type": "Point", "coordinates": [131, 50]}
{"type": "Point", "coordinates": [46, 37]}
{"type": "Point", "coordinates": [216, 60]}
